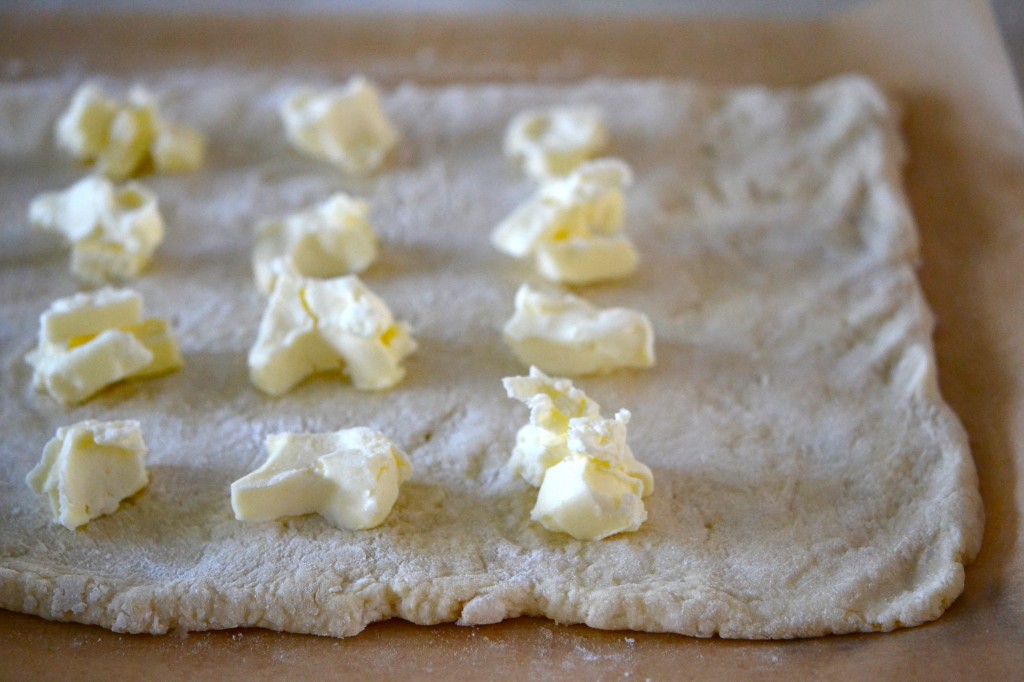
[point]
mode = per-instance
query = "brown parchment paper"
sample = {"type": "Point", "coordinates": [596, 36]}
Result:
{"type": "Point", "coordinates": [963, 121]}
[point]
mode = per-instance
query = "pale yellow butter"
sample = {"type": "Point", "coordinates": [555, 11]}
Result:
{"type": "Point", "coordinates": [565, 334]}
{"type": "Point", "coordinates": [591, 484]}
{"type": "Point", "coordinates": [113, 231]}
{"type": "Point", "coordinates": [330, 239]}
{"type": "Point", "coordinates": [583, 260]}
{"type": "Point", "coordinates": [89, 341]}
{"type": "Point", "coordinates": [177, 149]}
{"type": "Point", "coordinates": [312, 326]}
{"type": "Point", "coordinates": [571, 226]}
{"type": "Point", "coordinates": [583, 499]}
{"type": "Point", "coordinates": [88, 468]}
{"type": "Point", "coordinates": [350, 477]}
{"type": "Point", "coordinates": [346, 127]}
{"type": "Point", "coordinates": [544, 441]}
{"type": "Point", "coordinates": [126, 137]}
{"type": "Point", "coordinates": [552, 142]}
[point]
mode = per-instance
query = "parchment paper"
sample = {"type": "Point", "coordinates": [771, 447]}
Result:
{"type": "Point", "coordinates": [965, 129]}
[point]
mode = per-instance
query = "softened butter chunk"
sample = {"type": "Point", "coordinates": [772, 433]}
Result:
{"type": "Point", "coordinates": [318, 325]}
{"type": "Point", "coordinates": [177, 149]}
{"type": "Point", "coordinates": [544, 441]}
{"type": "Point", "coordinates": [89, 341]}
{"type": "Point", "coordinates": [591, 484]}
{"type": "Point", "coordinates": [571, 226]}
{"type": "Point", "coordinates": [350, 477]}
{"type": "Point", "coordinates": [88, 468]}
{"type": "Point", "coordinates": [565, 334]}
{"type": "Point", "coordinates": [84, 127]}
{"type": "Point", "coordinates": [330, 239]}
{"type": "Point", "coordinates": [583, 499]}
{"type": "Point", "coordinates": [552, 142]}
{"type": "Point", "coordinates": [587, 259]}
{"type": "Point", "coordinates": [346, 127]}
{"type": "Point", "coordinates": [126, 137]}
{"type": "Point", "coordinates": [113, 231]}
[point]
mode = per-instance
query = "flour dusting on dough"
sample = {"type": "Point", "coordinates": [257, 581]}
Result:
{"type": "Point", "coordinates": [810, 479]}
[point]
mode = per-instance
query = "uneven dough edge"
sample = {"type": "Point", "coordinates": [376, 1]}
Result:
{"type": "Point", "coordinates": [196, 606]}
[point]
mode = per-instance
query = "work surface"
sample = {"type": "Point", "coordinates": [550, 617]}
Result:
{"type": "Point", "coordinates": [964, 130]}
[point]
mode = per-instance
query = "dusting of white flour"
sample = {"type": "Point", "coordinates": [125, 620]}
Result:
{"type": "Point", "coordinates": [809, 478]}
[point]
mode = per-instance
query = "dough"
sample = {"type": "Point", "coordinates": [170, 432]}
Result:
{"type": "Point", "coordinates": [809, 477]}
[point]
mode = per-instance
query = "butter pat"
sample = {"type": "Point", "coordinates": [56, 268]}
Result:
{"type": "Point", "coordinates": [113, 231]}
{"type": "Point", "coordinates": [345, 127]}
{"type": "Point", "coordinates": [89, 341]}
{"type": "Point", "coordinates": [583, 499]}
{"type": "Point", "coordinates": [571, 226]}
{"type": "Point", "coordinates": [331, 239]}
{"type": "Point", "coordinates": [84, 127]}
{"type": "Point", "coordinates": [177, 149]}
{"type": "Point", "coordinates": [553, 142]}
{"type": "Point", "coordinates": [584, 260]}
{"type": "Point", "coordinates": [314, 326]}
{"type": "Point", "coordinates": [544, 441]}
{"type": "Point", "coordinates": [564, 334]}
{"type": "Point", "coordinates": [88, 468]}
{"type": "Point", "coordinates": [349, 477]}
{"type": "Point", "coordinates": [591, 484]}
{"type": "Point", "coordinates": [126, 137]}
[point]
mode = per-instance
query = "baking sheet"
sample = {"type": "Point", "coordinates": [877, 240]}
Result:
{"type": "Point", "coordinates": [964, 125]}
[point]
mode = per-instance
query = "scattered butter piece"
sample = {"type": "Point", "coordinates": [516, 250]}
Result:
{"type": "Point", "coordinates": [177, 149]}
{"type": "Point", "coordinates": [88, 468]}
{"type": "Point", "coordinates": [571, 226]}
{"type": "Point", "coordinates": [565, 334]}
{"type": "Point", "coordinates": [312, 325]}
{"type": "Point", "coordinates": [89, 341]}
{"type": "Point", "coordinates": [113, 231]}
{"type": "Point", "coordinates": [83, 128]}
{"type": "Point", "coordinates": [330, 239]}
{"type": "Point", "coordinates": [584, 260]}
{"type": "Point", "coordinates": [124, 137]}
{"type": "Point", "coordinates": [591, 485]}
{"type": "Point", "coordinates": [553, 142]}
{"type": "Point", "coordinates": [346, 127]}
{"type": "Point", "coordinates": [350, 477]}
{"type": "Point", "coordinates": [544, 441]}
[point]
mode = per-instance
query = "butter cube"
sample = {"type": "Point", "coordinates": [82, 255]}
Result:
{"type": "Point", "coordinates": [587, 501]}
{"type": "Point", "coordinates": [346, 127]}
{"type": "Point", "coordinates": [553, 142]}
{"type": "Point", "coordinates": [88, 468]}
{"type": "Point", "coordinates": [89, 341]}
{"type": "Point", "coordinates": [177, 149]}
{"type": "Point", "coordinates": [126, 137]}
{"type": "Point", "coordinates": [571, 226]}
{"type": "Point", "coordinates": [565, 334]}
{"type": "Point", "coordinates": [131, 133]}
{"type": "Point", "coordinates": [83, 128]}
{"type": "Point", "coordinates": [590, 483]}
{"type": "Point", "coordinates": [113, 231]}
{"type": "Point", "coordinates": [586, 260]}
{"type": "Point", "coordinates": [330, 239]}
{"type": "Point", "coordinates": [312, 326]}
{"type": "Point", "coordinates": [350, 477]}
{"type": "Point", "coordinates": [553, 402]}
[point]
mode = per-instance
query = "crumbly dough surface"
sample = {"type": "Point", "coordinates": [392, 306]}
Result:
{"type": "Point", "coordinates": [809, 477]}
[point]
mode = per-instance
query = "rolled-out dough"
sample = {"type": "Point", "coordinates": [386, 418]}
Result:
{"type": "Point", "coordinates": [809, 477]}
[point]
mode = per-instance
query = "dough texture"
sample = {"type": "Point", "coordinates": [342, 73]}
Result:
{"type": "Point", "coordinates": [809, 477]}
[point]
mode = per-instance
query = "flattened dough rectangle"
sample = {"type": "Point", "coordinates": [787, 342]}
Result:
{"type": "Point", "coordinates": [809, 477]}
